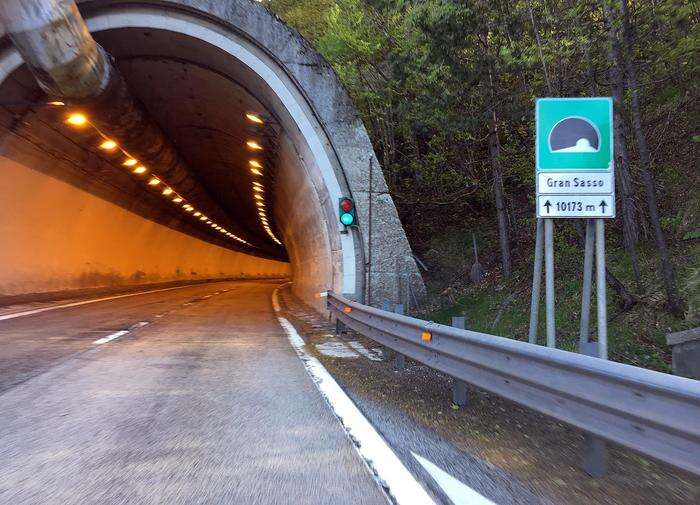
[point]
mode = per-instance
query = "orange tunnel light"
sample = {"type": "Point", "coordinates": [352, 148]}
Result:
{"type": "Point", "coordinates": [254, 118]}
{"type": "Point", "coordinates": [108, 145]}
{"type": "Point", "coordinates": [76, 119]}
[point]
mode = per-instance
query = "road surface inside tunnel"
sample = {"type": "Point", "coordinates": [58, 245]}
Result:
{"type": "Point", "coordinates": [190, 395]}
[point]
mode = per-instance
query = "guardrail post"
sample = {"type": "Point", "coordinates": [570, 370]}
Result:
{"type": "Point", "coordinates": [595, 456]}
{"type": "Point", "coordinates": [386, 352]}
{"type": "Point", "coordinates": [459, 389]}
{"type": "Point", "coordinates": [595, 451]}
{"type": "Point", "coordinates": [400, 358]}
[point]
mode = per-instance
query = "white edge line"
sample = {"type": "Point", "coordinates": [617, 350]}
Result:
{"type": "Point", "coordinates": [457, 491]}
{"type": "Point", "coordinates": [86, 302]}
{"type": "Point", "coordinates": [111, 337]}
{"type": "Point", "coordinates": [388, 468]}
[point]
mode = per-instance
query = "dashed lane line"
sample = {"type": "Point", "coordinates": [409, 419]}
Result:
{"type": "Point", "coordinates": [110, 337]}
{"type": "Point", "coordinates": [119, 333]}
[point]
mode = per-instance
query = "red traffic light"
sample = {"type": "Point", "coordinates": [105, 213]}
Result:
{"type": "Point", "coordinates": [346, 204]}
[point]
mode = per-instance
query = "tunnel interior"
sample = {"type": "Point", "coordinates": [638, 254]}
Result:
{"type": "Point", "coordinates": [263, 125]}
{"type": "Point", "coordinates": [206, 105]}
{"type": "Point", "coordinates": [218, 114]}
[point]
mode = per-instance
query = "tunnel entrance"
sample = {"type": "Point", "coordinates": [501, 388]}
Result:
{"type": "Point", "coordinates": [265, 127]}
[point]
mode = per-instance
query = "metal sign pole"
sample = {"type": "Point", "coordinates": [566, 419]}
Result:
{"type": "Point", "coordinates": [549, 280]}
{"type": "Point", "coordinates": [586, 291]}
{"type": "Point", "coordinates": [601, 301]}
{"type": "Point", "coordinates": [595, 453]}
{"type": "Point", "coordinates": [536, 283]}
{"type": "Point", "coordinates": [575, 178]}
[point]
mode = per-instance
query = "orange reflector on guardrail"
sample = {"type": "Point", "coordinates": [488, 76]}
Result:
{"type": "Point", "coordinates": [427, 336]}
{"type": "Point", "coordinates": [347, 310]}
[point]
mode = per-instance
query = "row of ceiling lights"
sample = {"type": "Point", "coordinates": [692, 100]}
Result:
{"type": "Point", "coordinates": [256, 168]}
{"type": "Point", "coordinates": [80, 120]}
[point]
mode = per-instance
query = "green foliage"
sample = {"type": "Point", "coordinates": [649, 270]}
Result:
{"type": "Point", "coordinates": [418, 72]}
{"type": "Point", "coordinates": [426, 76]}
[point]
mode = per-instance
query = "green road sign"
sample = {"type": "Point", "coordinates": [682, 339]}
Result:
{"type": "Point", "coordinates": [574, 158]}
{"type": "Point", "coordinates": [574, 134]}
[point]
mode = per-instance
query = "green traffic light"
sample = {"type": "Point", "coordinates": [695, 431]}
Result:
{"type": "Point", "coordinates": [347, 219]}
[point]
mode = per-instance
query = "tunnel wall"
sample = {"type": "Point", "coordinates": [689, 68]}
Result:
{"type": "Point", "coordinates": [302, 224]}
{"type": "Point", "coordinates": [57, 237]}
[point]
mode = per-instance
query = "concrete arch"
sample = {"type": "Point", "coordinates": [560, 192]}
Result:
{"type": "Point", "coordinates": [323, 151]}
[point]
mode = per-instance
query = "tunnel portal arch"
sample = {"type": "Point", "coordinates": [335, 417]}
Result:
{"type": "Point", "coordinates": [323, 150]}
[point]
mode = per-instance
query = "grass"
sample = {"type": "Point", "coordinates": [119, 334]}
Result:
{"type": "Point", "coordinates": [501, 307]}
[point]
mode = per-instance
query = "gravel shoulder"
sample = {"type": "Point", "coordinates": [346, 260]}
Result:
{"type": "Point", "coordinates": [507, 453]}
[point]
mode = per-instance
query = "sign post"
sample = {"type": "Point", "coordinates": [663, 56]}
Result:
{"type": "Point", "coordinates": [575, 178]}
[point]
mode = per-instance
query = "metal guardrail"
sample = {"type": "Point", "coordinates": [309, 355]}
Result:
{"type": "Point", "coordinates": [650, 412]}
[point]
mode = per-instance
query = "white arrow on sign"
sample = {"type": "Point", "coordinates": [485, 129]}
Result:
{"type": "Point", "coordinates": [590, 206]}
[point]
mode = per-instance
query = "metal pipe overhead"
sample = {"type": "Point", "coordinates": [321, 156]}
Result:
{"type": "Point", "coordinates": [56, 45]}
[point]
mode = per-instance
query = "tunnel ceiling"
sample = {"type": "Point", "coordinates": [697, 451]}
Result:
{"type": "Point", "coordinates": [202, 105]}
{"type": "Point", "coordinates": [200, 98]}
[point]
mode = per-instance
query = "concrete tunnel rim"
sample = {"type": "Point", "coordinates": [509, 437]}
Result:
{"type": "Point", "coordinates": [201, 24]}
{"type": "Point", "coordinates": [233, 42]}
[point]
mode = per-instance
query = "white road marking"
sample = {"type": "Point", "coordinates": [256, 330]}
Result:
{"type": "Point", "coordinates": [458, 492]}
{"type": "Point", "coordinates": [336, 350]}
{"type": "Point", "coordinates": [377, 454]}
{"type": "Point", "coordinates": [111, 337]}
{"type": "Point", "coordinates": [86, 302]}
{"type": "Point", "coordinates": [363, 350]}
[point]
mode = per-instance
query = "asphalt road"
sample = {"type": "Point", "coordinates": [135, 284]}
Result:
{"type": "Point", "coordinates": [202, 401]}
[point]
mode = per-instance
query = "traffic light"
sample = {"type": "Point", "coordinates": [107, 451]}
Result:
{"type": "Point", "coordinates": [346, 212]}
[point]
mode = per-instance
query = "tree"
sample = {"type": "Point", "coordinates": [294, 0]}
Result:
{"type": "Point", "coordinates": [675, 304]}
{"type": "Point", "coordinates": [630, 229]}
